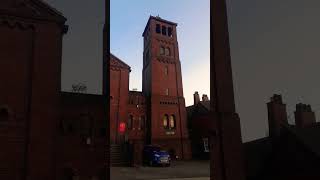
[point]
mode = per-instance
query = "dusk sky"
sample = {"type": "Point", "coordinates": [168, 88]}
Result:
{"type": "Point", "coordinates": [274, 48]}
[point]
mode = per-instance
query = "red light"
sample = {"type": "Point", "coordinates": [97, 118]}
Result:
{"type": "Point", "coordinates": [122, 127]}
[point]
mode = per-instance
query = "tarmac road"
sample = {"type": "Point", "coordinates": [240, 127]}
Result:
{"type": "Point", "coordinates": [179, 170]}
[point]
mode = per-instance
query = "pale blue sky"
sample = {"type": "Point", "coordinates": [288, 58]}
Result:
{"type": "Point", "coordinates": [128, 20]}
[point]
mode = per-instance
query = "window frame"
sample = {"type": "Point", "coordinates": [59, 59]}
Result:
{"type": "Point", "coordinates": [158, 28]}
{"type": "Point", "coordinates": [167, 51]}
{"type": "Point", "coordinates": [162, 50]}
{"type": "Point", "coordinates": [170, 31]}
{"type": "Point", "coordinates": [172, 118]}
{"type": "Point", "coordinates": [164, 30]}
{"type": "Point", "coordinates": [205, 141]}
{"type": "Point", "coordinates": [165, 121]}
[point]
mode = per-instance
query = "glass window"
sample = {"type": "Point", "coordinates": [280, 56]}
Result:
{"type": "Point", "coordinates": [164, 30]}
{"type": "Point", "coordinates": [165, 121]}
{"type": "Point", "coordinates": [169, 31]}
{"type": "Point", "coordinates": [206, 144]}
{"type": "Point", "coordinates": [167, 52]}
{"type": "Point", "coordinates": [172, 122]}
{"type": "Point", "coordinates": [161, 50]}
{"type": "Point", "coordinates": [166, 70]}
{"type": "Point", "coordinates": [158, 28]}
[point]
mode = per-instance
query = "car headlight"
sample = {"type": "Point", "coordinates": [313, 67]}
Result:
{"type": "Point", "coordinates": [156, 155]}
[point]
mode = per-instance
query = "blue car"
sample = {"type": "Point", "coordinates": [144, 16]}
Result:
{"type": "Point", "coordinates": [154, 155]}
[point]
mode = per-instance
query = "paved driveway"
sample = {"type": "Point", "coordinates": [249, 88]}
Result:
{"type": "Point", "coordinates": [180, 170]}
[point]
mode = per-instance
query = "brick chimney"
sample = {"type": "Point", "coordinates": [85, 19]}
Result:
{"type": "Point", "coordinates": [196, 98]}
{"type": "Point", "coordinates": [205, 97]}
{"type": "Point", "coordinates": [304, 116]}
{"type": "Point", "coordinates": [277, 115]}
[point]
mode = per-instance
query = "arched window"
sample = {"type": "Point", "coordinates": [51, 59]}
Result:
{"type": "Point", "coordinates": [167, 52]}
{"type": "Point", "coordinates": [130, 122]}
{"type": "Point", "coordinates": [161, 50]}
{"type": "Point", "coordinates": [4, 114]}
{"type": "Point", "coordinates": [172, 122]}
{"type": "Point", "coordinates": [166, 121]}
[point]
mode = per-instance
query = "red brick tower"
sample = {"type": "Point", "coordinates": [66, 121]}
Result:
{"type": "Point", "coordinates": [162, 86]}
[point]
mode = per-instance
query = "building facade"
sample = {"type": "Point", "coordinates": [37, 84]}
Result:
{"type": "Point", "coordinates": [44, 133]}
{"type": "Point", "coordinates": [157, 115]}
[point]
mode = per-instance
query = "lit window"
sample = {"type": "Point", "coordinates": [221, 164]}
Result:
{"type": "Point", "coordinates": [165, 121]}
{"type": "Point", "coordinates": [88, 140]}
{"type": "Point", "coordinates": [167, 92]}
{"type": "Point", "coordinates": [172, 122]}
{"type": "Point", "coordinates": [161, 50]}
{"type": "Point", "coordinates": [167, 52]}
{"type": "Point", "coordinates": [206, 144]}
{"type": "Point", "coordinates": [158, 28]}
{"type": "Point", "coordinates": [164, 30]}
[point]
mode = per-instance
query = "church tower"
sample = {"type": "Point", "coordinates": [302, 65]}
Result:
{"type": "Point", "coordinates": [162, 86]}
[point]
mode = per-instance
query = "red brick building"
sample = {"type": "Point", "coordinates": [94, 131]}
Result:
{"type": "Point", "coordinates": [157, 115]}
{"type": "Point", "coordinates": [198, 123]}
{"type": "Point", "coordinates": [44, 133]}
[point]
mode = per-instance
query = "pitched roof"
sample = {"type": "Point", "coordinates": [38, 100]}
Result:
{"type": "Point", "coordinates": [34, 9]}
{"type": "Point", "coordinates": [74, 98]}
{"type": "Point", "coordinates": [309, 136]}
{"type": "Point", "coordinates": [257, 154]}
{"type": "Point", "coordinates": [117, 62]}
{"type": "Point", "coordinates": [205, 104]}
